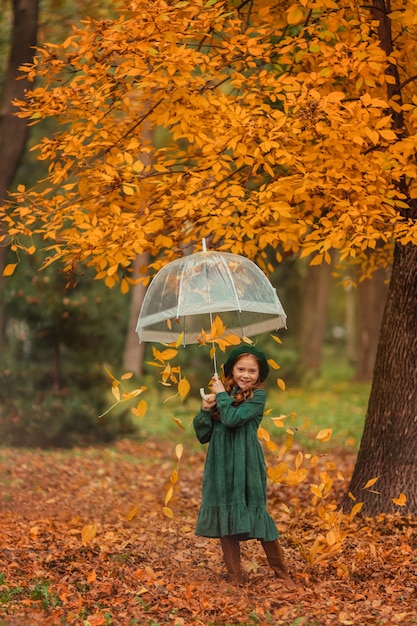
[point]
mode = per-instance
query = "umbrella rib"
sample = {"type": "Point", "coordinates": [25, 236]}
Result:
{"type": "Point", "coordinates": [180, 299]}
{"type": "Point", "coordinates": [229, 273]}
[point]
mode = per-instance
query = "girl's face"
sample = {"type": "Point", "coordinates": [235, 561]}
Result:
{"type": "Point", "coordinates": [246, 371]}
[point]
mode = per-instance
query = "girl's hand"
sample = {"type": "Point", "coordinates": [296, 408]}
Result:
{"type": "Point", "coordinates": [209, 401]}
{"type": "Point", "coordinates": [217, 385]}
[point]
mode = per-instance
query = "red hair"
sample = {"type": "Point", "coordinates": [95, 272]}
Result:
{"type": "Point", "coordinates": [242, 394]}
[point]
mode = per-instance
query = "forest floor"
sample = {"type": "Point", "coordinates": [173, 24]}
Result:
{"type": "Point", "coordinates": [83, 541]}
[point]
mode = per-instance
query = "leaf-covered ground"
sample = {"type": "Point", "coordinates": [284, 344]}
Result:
{"type": "Point", "coordinates": [83, 541]}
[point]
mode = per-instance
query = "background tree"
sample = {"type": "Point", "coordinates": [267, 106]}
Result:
{"type": "Point", "coordinates": [52, 383]}
{"type": "Point", "coordinates": [14, 130]}
{"type": "Point", "coordinates": [288, 126]}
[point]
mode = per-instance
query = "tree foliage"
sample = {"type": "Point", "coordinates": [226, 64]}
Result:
{"type": "Point", "coordinates": [275, 124]}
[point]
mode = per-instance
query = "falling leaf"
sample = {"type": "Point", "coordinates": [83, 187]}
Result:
{"type": "Point", "coordinates": [179, 449]}
{"type": "Point", "coordinates": [401, 500]}
{"type": "Point", "coordinates": [178, 422]}
{"type": "Point", "coordinates": [9, 269]}
{"type": "Point", "coordinates": [180, 339]}
{"type": "Point", "coordinates": [356, 509]}
{"type": "Point", "coordinates": [278, 421]}
{"type": "Point", "coordinates": [169, 495]}
{"type": "Point", "coordinates": [115, 389]}
{"type": "Point", "coordinates": [263, 434]}
{"type": "Point", "coordinates": [371, 482]}
{"type": "Point", "coordinates": [183, 388]}
{"type": "Point", "coordinates": [324, 434]}
{"type": "Point", "coordinates": [274, 364]}
{"type": "Point", "coordinates": [168, 512]}
{"type": "Point", "coordinates": [140, 409]}
{"type": "Point", "coordinates": [281, 384]}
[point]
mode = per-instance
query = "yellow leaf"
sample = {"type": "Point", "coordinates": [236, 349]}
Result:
{"type": "Point", "coordinates": [217, 327]}
{"type": "Point", "coordinates": [179, 340]}
{"type": "Point", "coordinates": [183, 388]}
{"type": "Point", "coordinates": [273, 364]}
{"type": "Point", "coordinates": [330, 538]}
{"type": "Point", "coordinates": [126, 376]}
{"type": "Point", "coordinates": [317, 492]}
{"type": "Point", "coordinates": [140, 409]}
{"type": "Point", "coordinates": [371, 482]}
{"type": "Point", "coordinates": [169, 495]}
{"type": "Point", "coordinates": [168, 512]}
{"type": "Point", "coordinates": [401, 500]}
{"type": "Point", "coordinates": [295, 14]}
{"type": "Point", "coordinates": [116, 390]}
{"type": "Point", "coordinates": [128, 395]}
{"type": "Point", "coordinates": [324, 434]}
{"type": "Point", "coordinates": [9, 269]}
{"type": "Point", "coordinates": [277, 472]}
{"type": "Point", "coordinates": [372, 134]}
{"type": "Point", "coordinates": [167, 355]}
{"type": "Point", "coordinates": [263, 434]}
{"type": "Point", "coordinates": [88, 533]}
{"type": "Point", "coordinates": [295, 477]}
{"type": "Point", "coordinates": [124, 286]}
{"type": "Point", "coordinates": [281, 384]}
{"type": "Point", "coordinates": [355, 509]}
{"type": "Point", "coordinates": [108, 372]}
{"type": "Point", "coordinates": [298, 460]}
{"type": "Point", "coordinates": [388, 134]}
{"type": "Point", "coordinates": [278, 421]}
{"type": "Point", "coordinates": [179, 449]}
{"type": "Point", "coordinates": [132, 513]}
{"type": "Point", "coordinates": [178, 422]}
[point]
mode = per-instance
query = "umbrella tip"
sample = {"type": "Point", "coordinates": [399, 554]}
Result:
{"type": "Point", "coordinates": [203, 241]}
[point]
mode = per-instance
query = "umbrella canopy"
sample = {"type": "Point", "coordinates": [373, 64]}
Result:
{"type": "Point", "coordinates": [184, 295]}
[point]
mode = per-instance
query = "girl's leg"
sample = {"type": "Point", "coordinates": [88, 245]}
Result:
{"type": "Point", "coordinates": [231, 553]}
{"type": "Point", "coordinates": [275, 558]}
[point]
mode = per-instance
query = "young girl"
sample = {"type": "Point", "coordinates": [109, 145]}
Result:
{"type": "Point", "coordinates": [233, 505]}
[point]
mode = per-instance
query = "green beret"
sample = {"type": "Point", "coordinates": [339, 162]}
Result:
{"type": "Point", "coordinates": [247, 349]}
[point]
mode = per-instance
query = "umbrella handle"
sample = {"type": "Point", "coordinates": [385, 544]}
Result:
{"type": "Point", "coordinates": [202, 392]}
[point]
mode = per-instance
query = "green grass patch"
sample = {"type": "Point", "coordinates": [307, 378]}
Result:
{"type": "Point", "coordinates": [331, 400]}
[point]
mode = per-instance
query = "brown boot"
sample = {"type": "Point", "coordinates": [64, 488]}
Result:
{"type": "Point", "coordinates": [231, 553]}
{"type": "Point", "coordinates": [275, 558]}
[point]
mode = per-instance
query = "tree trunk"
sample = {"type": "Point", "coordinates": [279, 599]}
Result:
{"type": "Point", "coordinates": [372, 294]}
{"type": "Point", "coordinates": [313, 317]}
{"type": "Point", "coordinates": [388, 448]}
{"type": "Point", "coordinates": [134, 350]}
{"type": "Point", "coordinates": [13, 130]}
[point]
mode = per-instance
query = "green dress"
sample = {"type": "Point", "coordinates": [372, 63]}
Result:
{"type": "Point", "coordinates": [234, 481]}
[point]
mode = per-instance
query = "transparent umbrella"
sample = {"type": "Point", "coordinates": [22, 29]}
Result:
{"type": "Point", "coordinates": [185, 294]}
